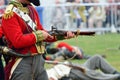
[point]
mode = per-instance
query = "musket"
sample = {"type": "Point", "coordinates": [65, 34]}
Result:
{"type": "Point", "coordinates": [55, 32]}
{"type": "Point", "coordinates": [67, 64]}
{"type": "Point", "coordinates": [7, 51]}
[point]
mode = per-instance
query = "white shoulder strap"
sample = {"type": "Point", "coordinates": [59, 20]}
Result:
{"type": "Point", "coordinates": [26, 18]}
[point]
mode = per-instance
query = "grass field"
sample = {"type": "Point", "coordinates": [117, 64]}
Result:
{"type": "Point", "coordinates": [108, 44]}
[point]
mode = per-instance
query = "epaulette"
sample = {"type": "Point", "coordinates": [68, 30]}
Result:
{"type": "Point", "coordinates": [8, 12]}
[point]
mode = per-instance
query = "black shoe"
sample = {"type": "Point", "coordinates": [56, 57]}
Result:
{"type": "Point", "coordinates": [116, 72]}
{"type": "Point", "coordinates": [118, 77]}
{"type": "Point", "coordinates": [104, 56]}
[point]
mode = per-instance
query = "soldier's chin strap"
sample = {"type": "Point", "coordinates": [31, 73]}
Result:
{"type": "Point", "coordinates": [35, 2]}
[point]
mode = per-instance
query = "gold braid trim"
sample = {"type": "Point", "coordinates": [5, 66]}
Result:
{"type": "Point", "coordinates": [9, 9]}
{"type": "Point", "coordinates": [20, 6]}
{"type": "Point", "coordinates": [40, 47]}
{"type": "Point", "coordinates": [8, 12]}
{"type": "Point", "coordinates": [39, 36]}
{"type": "Point", "coordinates": [39, 44]}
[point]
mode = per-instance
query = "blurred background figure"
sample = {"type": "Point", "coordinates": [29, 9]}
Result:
{"type": "Point", "coordinates": [69, 0]}
{"type": "Point", "coordinates": [2, 2]}
{"type": "Point", "coordinates": [77, 14]}
{"type": "Point", "coordinates": [111, 14]}
{"type": "Point", "coordinates": [86, 11]}
{"type": "Point", "coordinates": [2, 8]}
{"type": "Point", "coordinates": [118, 13]}
{"type": "Point", "coordinates": [97, 16]}
{"type": "Point", "coordinates": [58, 15]}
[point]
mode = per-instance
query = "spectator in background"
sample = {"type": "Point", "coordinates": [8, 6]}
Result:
{"type": "Point", "coordinates": [2, 8]}
{"type": "Point", "coordinates": [97, 16]}
{"type": "Point", "coordinates": [69, 0]}
{"type": "Point", "coordinates": [69, 7]}
{"type": "Point", "coordinates": [118, 14]}
{"type": "Point", "coordinates": [77, 13]}
{"type": "Point", "coordinates": [111, 11]}
{"type": "Point", "coordinates": [86, 11]}
{"type": "Point", "coordinates": [58, 16]}
{"type": "Point", "coordinates": [6, 2]}
{"type": "Point", "coordinates": [2, 2]}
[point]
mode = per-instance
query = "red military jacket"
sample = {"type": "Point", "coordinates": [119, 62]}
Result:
{"type": "Point", "coordinates": [17, 35]}
{"type": "Point", "coordinates": [1, 33]}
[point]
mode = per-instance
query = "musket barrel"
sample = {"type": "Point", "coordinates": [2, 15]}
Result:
{"type": "Point", "coordinates": [55, 32]}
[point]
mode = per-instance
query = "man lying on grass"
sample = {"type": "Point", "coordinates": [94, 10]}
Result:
{"type": "Point", "coordinates": [95, 68]}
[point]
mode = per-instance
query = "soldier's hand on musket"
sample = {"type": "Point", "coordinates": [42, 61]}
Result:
{"type": "Point", "coordinates": [42, 35]}
{"type": "Point", "coordinates": [46, 35]}
{"type": "Point", "coordinates": [69, 35]}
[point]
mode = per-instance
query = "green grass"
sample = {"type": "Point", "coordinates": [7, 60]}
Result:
{"type": "Point", "coordinates": [107, 44]}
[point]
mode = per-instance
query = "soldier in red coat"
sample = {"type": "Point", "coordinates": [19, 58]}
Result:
{"type": "Point", "coordinates": [64, 51]}
{"type": "Point", "coordinates": [1, 63]}
{"type": "Point", "coordinates": [24, 34]}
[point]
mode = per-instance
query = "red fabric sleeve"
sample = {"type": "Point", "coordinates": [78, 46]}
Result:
{"type": "Point", "coordinates": [39, 27]}
{"type": "Point", "coordinates": [1, 32]}
{"type": "Point", "coordinates": [63, 44]}
{"type": "Point", "coordinates": [15, 27]}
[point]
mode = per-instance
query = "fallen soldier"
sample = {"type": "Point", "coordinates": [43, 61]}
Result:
{"type": "Point", "coordinates": [96, 68]}
{"type": "Point", "coordinates": [63, 51]}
